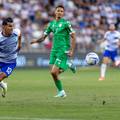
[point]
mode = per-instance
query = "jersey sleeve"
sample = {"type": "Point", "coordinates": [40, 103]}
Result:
{"type": "Point", "coordinates": [48, 29]}
{"type": "Point", "coordinates": [17, 32]}
{"type": "Point", "coordinates": [69, 26]}
{"type": "Point", "coordinates": [119, 35]}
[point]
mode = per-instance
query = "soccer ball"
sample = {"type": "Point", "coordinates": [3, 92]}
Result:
{"type": "Point", "coordinates": [92, 58]}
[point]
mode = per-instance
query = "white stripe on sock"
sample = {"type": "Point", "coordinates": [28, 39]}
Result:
{"type": "Point", "coordinates": [103, 69]}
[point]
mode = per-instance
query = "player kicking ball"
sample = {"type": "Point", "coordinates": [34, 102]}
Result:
{"type": "Point", "coordinates": [111, 50]}
{"type": "Point", "coordinates": [10, 44]}
{"type": "Point", "coordinates": [62, 47]}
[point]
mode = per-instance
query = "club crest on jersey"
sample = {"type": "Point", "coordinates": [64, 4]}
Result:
{"type": "Point", "coordinates": [60, 25]}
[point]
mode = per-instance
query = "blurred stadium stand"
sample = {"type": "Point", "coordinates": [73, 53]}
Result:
{"type": "Point", "coordinates": [89, 18]}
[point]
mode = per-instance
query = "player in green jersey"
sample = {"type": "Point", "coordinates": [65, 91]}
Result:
{"type": "Point", "coordinates": [63, 47]}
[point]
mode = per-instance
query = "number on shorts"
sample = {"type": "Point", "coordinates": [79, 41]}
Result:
{"type": "Point", "coordinates": [9, 70]}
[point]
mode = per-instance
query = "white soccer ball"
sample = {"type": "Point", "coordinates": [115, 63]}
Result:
{"type": "Point", "coordinates": [92, 58]}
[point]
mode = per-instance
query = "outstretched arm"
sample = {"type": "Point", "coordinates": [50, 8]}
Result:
{"type": "Point", "coordinates": [40, 39]}
{"type": "Point", "coordinates": [44, 35]}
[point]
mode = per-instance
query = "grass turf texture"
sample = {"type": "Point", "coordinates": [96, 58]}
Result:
{"type": "Point", "coordinates": [30, 96]}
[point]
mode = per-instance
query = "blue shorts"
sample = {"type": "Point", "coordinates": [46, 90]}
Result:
{"type": "Point", "coordinates": [111, 54]}
{"type": "Point", "coordinates": [7, 68]}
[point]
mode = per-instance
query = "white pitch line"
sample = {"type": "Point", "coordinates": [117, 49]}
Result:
{"type": "Point", "coordinates": [27, 118]}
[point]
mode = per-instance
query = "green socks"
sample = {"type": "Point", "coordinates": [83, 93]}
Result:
{"type": "Point", "coordinates": [58, 84]}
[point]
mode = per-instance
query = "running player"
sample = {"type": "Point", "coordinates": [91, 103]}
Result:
{"type": "Point", "coordinates": [63, 47]}
{"type": "Point", "coordinates": [10, 44]}
{"type": "Point", "coordinates": [113, 42]}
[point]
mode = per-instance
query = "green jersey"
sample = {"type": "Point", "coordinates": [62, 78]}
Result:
{"type": "Point", "coordinates": [61, 30]}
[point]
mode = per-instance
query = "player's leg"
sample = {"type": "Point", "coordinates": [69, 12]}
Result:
{"type": "Point", "coordinates": [55, 71]}
{"type": "Point", "coordinates": [3, 85]}
{"type": "Point", "coordinates": [71, 66]}
{"type": "Point", "coordinates": [115, 58]}
{"type": "Point", "coordinates": [2, 76]}
{"type": "Point", "coordinates": [103, 67]}
{"type": "Point", "coordinates": [61, 65]}
{"type": "Point", "coordinates": [6, 70]}
{"type": "Point", "coordinates": [117, 63]}
{"type": "Point", "coordinates": [70, 63]}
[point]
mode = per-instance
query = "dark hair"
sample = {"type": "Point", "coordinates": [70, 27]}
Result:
{"type": "Point", "coordinates": [6, 20]}
{"type": "Point", "coordinates": [60, 6]}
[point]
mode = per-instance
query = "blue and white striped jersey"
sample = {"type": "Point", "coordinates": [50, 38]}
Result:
{"type": "Point", "coordinates": [112, 40]}
{"type": "Point", "coordinates": [8, 47]}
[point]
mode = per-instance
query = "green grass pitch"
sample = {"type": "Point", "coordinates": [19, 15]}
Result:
{"type": "Point", "coordinates": [30, 96]}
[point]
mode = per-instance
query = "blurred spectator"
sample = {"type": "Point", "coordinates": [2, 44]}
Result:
{"type": "Point", "coordinates": [89, 18]}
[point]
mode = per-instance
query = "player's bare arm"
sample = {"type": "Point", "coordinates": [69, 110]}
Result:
{"type": "Point", "coordinates": [19, 42]}
{"type": "Point", "coordinates": [119, 43]}
{"type": "Point", "coordinates": [41, 39]}
{"type": "Point", "coordinates": [101, 41]}
{"type": "Point", "coordinates": [73, 38]}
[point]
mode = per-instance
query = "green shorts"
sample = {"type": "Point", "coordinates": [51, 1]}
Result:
{"type": "Point", "coordinates": [59, 58]}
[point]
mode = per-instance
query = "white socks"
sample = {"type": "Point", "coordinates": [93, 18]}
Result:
{"type": "Point", "coordinates": [103, 70]}
{"type": "Point", "coordinates": [69, 63]}
{"type": "Point", "coordinates": [1, 82]}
